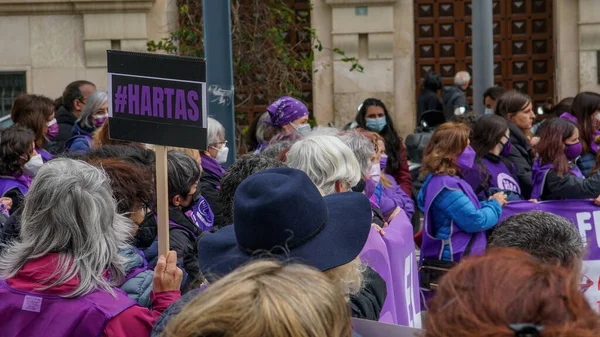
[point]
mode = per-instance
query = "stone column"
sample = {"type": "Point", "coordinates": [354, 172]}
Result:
{"type": "Point", "coordinates": [567, 48]}
{"type": "Point", "coordinates": [320, 18]}
{"type": "Point", "coordinates": [404, 67]}
{"type": "Point", "coordinates": [589, 44]}
{"type": "Point", "coordinates": [379, 33]}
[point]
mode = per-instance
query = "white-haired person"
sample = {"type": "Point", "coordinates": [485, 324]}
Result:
{"type": "Point", "coordinates": [211, 160]}
{"type": "Point", "coordinates": [61, 277]}
{"type": "Point", "coordinates": [93, 116]}
{"type": "Point", "coordinates": [333, 168]}
{"type": "Point", "coordinates": [379, 187]}
{"type": "Point", "coordinates": [455, 98]}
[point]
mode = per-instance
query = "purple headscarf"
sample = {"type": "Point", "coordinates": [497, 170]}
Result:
{"type": "Point", "coordinates": [286, 110]}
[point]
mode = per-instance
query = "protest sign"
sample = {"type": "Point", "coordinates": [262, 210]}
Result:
{"type": "Point", "coordinates": [393, 257]}
{"type": "Point", "coordinates": [160, 100]}
{"type": "Point", "coordinates": [368, 328]}
{"type": "Point", "coordinates": [585, 215]}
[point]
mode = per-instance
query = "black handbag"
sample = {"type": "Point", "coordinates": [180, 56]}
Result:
{"type": "Point", "coordinates": [432, 270]}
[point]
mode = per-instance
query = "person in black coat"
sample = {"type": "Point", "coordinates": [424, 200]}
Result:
{"type": "Point", "coordinates": [517, 109]}
{"type": "Point", "coordinates": [210, 182]}
{"type": "Point", "coordinates": [68, 108]}
{"type": "Point", "coordinates": [428, 99]}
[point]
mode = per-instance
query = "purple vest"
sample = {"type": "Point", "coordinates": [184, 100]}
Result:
{"type": "Point", "coordinates": [35, 314]}
{"type": "Point", "coordinates": [538, 177]}
{"type": "Point", "coordinates": [500, 176]}
{"type": "Point", "coordinates": [45, 154]}
{"type": "Point", "coordinates": [8, 183]}
{"type": "Point", "coordinates": [432, 247]}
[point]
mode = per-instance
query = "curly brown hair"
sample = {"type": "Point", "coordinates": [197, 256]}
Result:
{"type": "Point", "coordinates": [132, 185]}
{"type": "Point", "coordinates": [15, 147]}
{"type": "Point", "coordinates": [482, 296]}
{"type": "Point", "coordinates": [447, 142]}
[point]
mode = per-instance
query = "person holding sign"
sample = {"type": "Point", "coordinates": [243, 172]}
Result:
{"type": "Point", "coordinates": [60, 277]}
{"type": "Point", "coordinates": [296, 301]}
{"type": "Point", "coordinates": [37, 114]}
{"type": "Point", "coordinates": [508, 293]}
{"type": "Point", "coordinates": [516, 108]}
{"type": "Point", "coordinates": [492, 172]}
{"type": "Point", "coordinates": [93, 116]}
{"type": "Point", "coordinates": [555, 174]}
{"type": "Point", "coordinates": [456, 221]}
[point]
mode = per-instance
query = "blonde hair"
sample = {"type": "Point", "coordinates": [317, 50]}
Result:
{"type": "Point", "coordinates": [266, 299]}
{"type": "Point", "coordinates": [349, 275]}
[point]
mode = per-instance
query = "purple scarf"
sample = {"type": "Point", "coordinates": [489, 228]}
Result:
{"type": "Point", "coordinates": [210, 165]}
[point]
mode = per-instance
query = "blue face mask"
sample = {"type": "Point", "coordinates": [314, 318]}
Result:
{"type": "Point", "coordinates": [376, 124]}
{"type": "Point", "coordinates": [488, 111]}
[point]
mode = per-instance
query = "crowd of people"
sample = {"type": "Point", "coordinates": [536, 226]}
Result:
{"type": "Point", "coordinates": [271, 246]}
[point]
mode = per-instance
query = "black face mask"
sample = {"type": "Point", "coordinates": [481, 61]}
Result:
{"type": "Point", "coordinates": [147, 231]}
{"type": "Point", "coordinates": [195, 200]}
{"type": "Point", "coordinates": [360, 187]}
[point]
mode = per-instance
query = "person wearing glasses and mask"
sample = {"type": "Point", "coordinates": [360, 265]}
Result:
{"type": "Point", "coordinates": [93, 116]}
{"type": "Point", "coordinates": [216, 154]}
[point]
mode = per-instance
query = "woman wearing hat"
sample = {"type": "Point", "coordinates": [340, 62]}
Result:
{"type": "Point", "coordinates": [279, 213]}
{"type": "Point", "coordinates": [287, 118]}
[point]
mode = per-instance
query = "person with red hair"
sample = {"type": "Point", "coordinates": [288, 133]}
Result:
{"type": "Point", "coordinates": [508, 293]}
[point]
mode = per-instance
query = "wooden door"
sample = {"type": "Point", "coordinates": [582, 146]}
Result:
{"type": "Point", "coordinates": [523, 43]}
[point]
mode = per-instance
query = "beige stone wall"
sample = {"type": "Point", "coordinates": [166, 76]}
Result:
{"type": "Point", "coordinates": [383, 42]}
{"type": "Point", "coordinates": [57, 42]}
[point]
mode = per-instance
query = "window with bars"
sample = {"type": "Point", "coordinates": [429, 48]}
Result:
{"type": "Point", "coordinates": [12, 84]}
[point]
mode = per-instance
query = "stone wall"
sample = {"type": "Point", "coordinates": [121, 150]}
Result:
{"type": "Point", "coordinates": [60, 41]}
{"type": "Point", "coordinates": [380, 34]}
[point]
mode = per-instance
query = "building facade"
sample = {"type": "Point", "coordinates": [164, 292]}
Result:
{"type": "Point", "coordinates": [546, 48]}
{"type": "Point", "coordinates": [47, 44]}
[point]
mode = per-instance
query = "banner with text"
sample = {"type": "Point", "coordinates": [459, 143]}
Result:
{"type": "Point", "coordinates": [157, 99]}
{"type": "Point", "coordinates": [585, 215]}
{"type": "Point", "coordinates": [393, 257]}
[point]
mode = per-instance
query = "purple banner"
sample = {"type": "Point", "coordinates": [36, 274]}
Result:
{"type": "Point", "coordinates": [393, 257]}
{"type": "Point", "coordinates": [586, 218]}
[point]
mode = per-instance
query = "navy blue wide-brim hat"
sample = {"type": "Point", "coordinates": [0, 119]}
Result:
{"type": "Point", "coordinates": [280, 213]}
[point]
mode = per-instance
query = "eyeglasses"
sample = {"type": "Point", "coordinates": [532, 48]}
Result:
{"type": "Point", "coordinates": [223, 142]}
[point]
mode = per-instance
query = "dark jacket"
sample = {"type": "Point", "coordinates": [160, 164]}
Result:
{"type": "Point", "coordinates": [367, 304]}
{"type": "Point", "coordinates": [11, 229]}
{"type": "Point", "coordinates": [65, 120]}
{"type": "Point", "coordinates": [521, 155]}
{"type": "Point", "coordinates": [454, 97]}
{"type": "Point", "coordinates": [209, 187]}
{"type": "Point", "coordinates": [183, 239]}
{"type": "Point", "coordinates": [586, 163]}
{"type": "Point", "coordinates": [570, 187]}
{"type": "Point", "coordinates": [428, 100]}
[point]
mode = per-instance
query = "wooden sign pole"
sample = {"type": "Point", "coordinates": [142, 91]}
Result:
{"type": "Point", "coordinates": [162, 196]}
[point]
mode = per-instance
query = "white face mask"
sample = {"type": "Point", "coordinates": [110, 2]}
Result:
{"type": "Point", "coordinates": [597, 116]}
{"type": "Point", "coordinates": [303, 129]}
{"type": "Point", "coordinates": [222, 155]}
{"type": "Point", "coordinates": [32, 167]}
{"type": "Point", "coordinates": [375, 172]}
